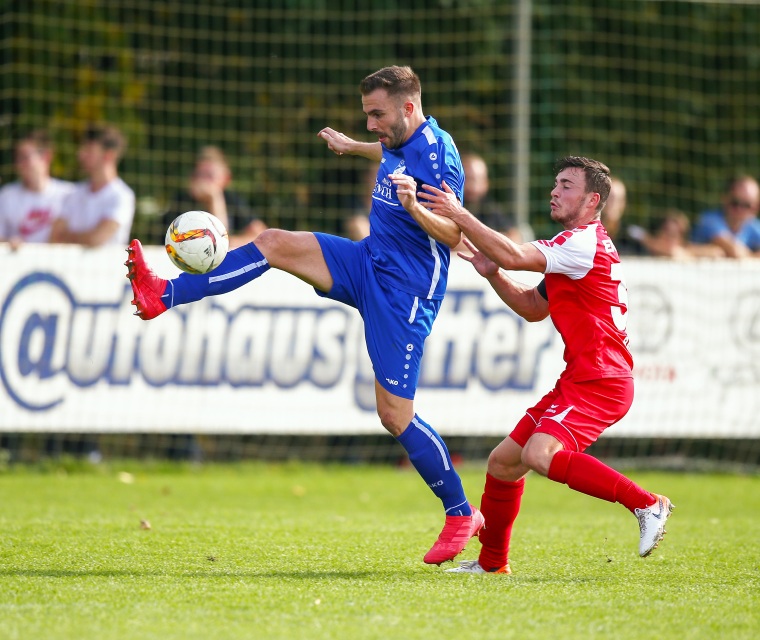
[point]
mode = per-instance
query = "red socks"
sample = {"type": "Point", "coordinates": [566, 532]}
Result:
{"type": "Point", "coordinates": [586, 474]}
{"type": "Point", "coordinates": [499, 505]}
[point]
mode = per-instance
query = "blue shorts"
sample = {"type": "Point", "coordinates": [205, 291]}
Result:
{"type": "Point", "coordinates": [396, 323]}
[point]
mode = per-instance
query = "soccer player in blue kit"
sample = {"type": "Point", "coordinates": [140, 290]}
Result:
{"type": "Point", "coordinates": [396, 277]}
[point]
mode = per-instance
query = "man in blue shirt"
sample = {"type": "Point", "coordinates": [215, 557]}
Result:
{"type": "Point", "coordinates": [734, 228]}
{"type": "Point", "coordinates": [396, 277]}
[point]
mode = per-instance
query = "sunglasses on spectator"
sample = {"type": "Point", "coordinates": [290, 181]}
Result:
{"type": "Point", "coordinates": [740, 204]}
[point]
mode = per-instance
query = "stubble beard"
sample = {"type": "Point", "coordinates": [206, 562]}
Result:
{"type": "Point", "coordinates": [396, 135]}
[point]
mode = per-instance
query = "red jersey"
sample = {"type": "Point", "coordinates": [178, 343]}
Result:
{"type": "Point", "coordinates": [588, 302]}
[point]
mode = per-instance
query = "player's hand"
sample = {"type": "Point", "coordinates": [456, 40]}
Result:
{"type": "Point", "coordinates": [484, 266]}
{"type": "Point", "coordinates": [337, 142]}
{"type": "Point", "coordinates": [443, 202]}
{"type": "Point", "coordinates": [406, 189]}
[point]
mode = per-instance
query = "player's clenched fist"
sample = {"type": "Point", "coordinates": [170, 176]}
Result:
{"type": "Point", "coordinates": [337, 142]}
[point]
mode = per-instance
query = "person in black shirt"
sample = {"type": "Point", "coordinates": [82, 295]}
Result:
{"type": "Point", "coordinates": [208, 190]}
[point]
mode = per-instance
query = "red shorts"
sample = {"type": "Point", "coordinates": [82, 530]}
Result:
{"type": "Point", "coordinates": [576, 413]}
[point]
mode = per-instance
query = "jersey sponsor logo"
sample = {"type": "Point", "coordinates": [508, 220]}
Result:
{"type": "Point", "coordinates": [384, 191]}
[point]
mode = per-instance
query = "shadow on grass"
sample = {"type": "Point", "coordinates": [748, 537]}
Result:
{"type": "Point", "coordinates": [219, 573]}
{"type": "Point", "coordinates": [215, 574]}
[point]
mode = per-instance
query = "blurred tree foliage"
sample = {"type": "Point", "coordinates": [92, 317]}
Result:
{"type": "Point", "coordinates": [666, 93]}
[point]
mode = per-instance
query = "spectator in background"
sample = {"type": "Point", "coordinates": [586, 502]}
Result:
{"type": "Point", "coordinates": [29, 206]}
{"type": "Point", "coordinates": [670, 239]}
{"type": "Point", "coordinates": [356, 225]}
{"type": "Point", "coordinates": [490, 213]}
{"type": "Point", "coordinates": [612, 220]}
{"type": "Point", "coordinates": [734, 228]}
{"type": "Point", "coordinates": [208, 190]}
{"type": "Point", "coordinates": [101, 208]}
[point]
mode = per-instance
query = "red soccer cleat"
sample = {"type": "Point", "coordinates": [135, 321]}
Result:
{"type": "Point", "coordinates": [454, 538]}
{"type": "Point", "coordinates": [146, 285]}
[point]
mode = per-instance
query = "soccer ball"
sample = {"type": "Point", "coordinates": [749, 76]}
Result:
{"type": "Point", "coordinates": [197, 242]}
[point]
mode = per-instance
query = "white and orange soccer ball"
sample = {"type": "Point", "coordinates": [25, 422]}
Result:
{"type": "Point", "coordinates": [197, 242]}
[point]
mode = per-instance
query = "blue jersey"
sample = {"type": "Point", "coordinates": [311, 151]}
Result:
{"type": "Point", "coordinates": [403, 255]}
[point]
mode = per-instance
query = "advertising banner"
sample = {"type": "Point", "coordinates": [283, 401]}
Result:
{"type": "Point", "coordinates": [272, 357]}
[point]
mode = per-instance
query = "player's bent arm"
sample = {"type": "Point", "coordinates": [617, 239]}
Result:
{"type": "Point", "coordinates": [500, 249]}
{"type": "Point", "coordinates": [494, 245]}
{"type": "Point", "coordinates": [438, 227]}
{"type": "Point", "coordinates": [369, 150]}
{"type": "Point", "coordinates": [442, 229]}
{"type": "Point", "coordinates": [525, 301]}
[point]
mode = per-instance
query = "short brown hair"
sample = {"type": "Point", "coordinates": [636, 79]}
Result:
{"type": "Point", "coordinates": [40, 138]}
{"type": "Point", "coordinates": [397, 82]}
{"type": "Point", "coordinates": [107, 136]}
{"type": "Point", "coordinates": [597, 175]}
{"type": "Point", "coordinates": [211, 153]}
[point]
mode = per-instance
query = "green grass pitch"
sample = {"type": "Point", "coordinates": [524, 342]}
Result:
{"type": "Point", "coordinates": [299, 551]}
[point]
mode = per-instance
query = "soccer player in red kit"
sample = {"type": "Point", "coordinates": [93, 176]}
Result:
{"type": "Point", "coordinates": [584, 292]}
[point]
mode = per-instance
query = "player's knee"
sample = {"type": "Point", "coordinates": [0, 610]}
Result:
{"type": "Point", "coordinates": [272, 243]}
{"type": "Point", "coordinates": [536, 458]}
{"type": "Point", "coordinates": [391, 420]}
{"type": "Point", "coordinates": [503, 467]}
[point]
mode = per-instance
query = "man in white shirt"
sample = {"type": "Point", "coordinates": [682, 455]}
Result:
{"type": "Point", "coordinates": [100, 210]}
{"type": "Point", "coordinates": [29, 206]}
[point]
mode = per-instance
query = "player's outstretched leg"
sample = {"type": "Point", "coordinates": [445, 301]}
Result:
{"type": "Point", "coordinates": [154, 295]}
{"type": "Point", "coordinates": [147, 287]}
{"type": "Point", "coordinates": [431, 459]}
{"type": "Point", "coordinates": [586, 474]}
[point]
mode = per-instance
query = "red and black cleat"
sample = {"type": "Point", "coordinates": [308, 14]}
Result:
{"type": "Point", "coordinates": [146, 285]}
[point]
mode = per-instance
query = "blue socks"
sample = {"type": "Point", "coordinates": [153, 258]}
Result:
{"type": "Point", "coordinates": [430, 457]}
{"type": "Point", "coordinates": [239, 267]}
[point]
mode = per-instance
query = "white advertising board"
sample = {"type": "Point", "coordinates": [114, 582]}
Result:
{"type": "Point", "coordinates": [272, 357]}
